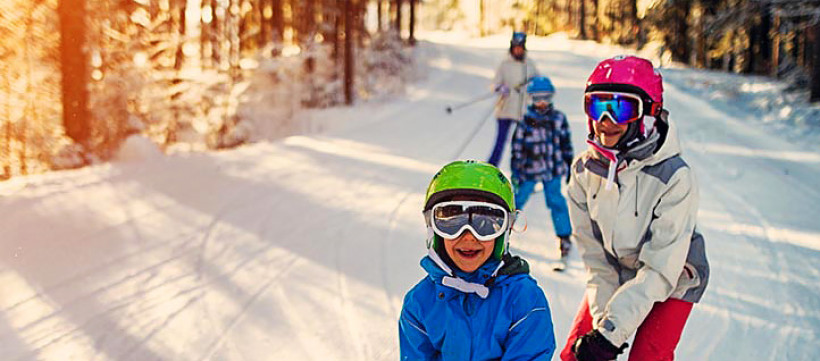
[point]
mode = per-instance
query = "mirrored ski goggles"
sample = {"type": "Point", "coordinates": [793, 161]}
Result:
{"type": "Point", "coordinates": [487, 221]}
{"type": "Point", "coordinates": [621, 107]}
{"type": "Point", "coordinates": [536, 98]}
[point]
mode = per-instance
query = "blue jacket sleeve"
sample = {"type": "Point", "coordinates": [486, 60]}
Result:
{"type": "Point", "coordinates": [531, 334]}
{"type": "Point", "coordinates": [414, 344]}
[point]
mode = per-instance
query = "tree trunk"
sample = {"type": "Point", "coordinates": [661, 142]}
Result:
{"type": "Point", "coordinates": [360, 28]}
{"type": "Point", "coordinates": [218, 31]}
{"type": "Point", "coordinates": [205, 45]}
{"type": "Point", "coordinates": [801, 48]}
{"type": "Point", "coordinates": [74, 71]}
{"type": "Point", "coordinates": [815, 68]}
{"type": "Point", "coordinates": [153, 8]}
{"type": "Point", "coordinates": [596, 24]}
{"type": "Point", "coordinates": [482, 9]}
{"type": "Point", "coordinates": [232, 29]}
{"type": "Point", "coordinates": [535, 28]}
{"type": "Point", "coordinates": [776, 44]}
{"type": "Point", "coordinates": [307, 21]}
{"type": "Point", "coordinates": [310, 30]}
{"type": "Point", "coordinates": [348, 40]}
{"type": "Point", "coordinates": [179, 16]}
{"type": "Point", "coordinates": [7, 129]}
{"type": "Point", "coordinates": [398, 17]}
{"type": "Point", "coordinates": [264, 25]}
{"type": "Point", "coordinates": [759, 41]}
{"type": "Point", "coordinates": [631, 23]}
{"type": "Point", "coordinates": [412, 38]}
{"type": "Point", "coordinates": [278, 21]}
{"type": "Point", "coordinates": [582, 20]}
{"type": "Point", "coordinates": [379, 11]}
{"type": "Point", "coordinates": [337, 34]}
{"type": "Point", "coordinates": [676, 37]}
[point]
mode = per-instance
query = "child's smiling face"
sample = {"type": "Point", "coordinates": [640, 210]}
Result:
{"type": "Point", "coordinates": [467, 252]}
{"type": "Point", "coordinates": [608, 132]}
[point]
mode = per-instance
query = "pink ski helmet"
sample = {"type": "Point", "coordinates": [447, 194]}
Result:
{"type": "Point", "coordinates": [629, 74]}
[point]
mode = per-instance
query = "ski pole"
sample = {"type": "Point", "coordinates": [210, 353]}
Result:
{"type": "Point", "coordinates": [450, 108]}
{"type": "Point", "coordinates": [473, 133]}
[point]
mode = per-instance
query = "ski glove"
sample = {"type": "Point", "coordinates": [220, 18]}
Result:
{"type": "Point", "coordinates": [502, 89]}
{"type": "Point", "coordinates": [595, 347]}
{"type": "Point", "coordinates": [569, 171]}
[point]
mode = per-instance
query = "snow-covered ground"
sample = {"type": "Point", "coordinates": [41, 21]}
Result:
{"type": "Point", "coordinates": [302, 248]}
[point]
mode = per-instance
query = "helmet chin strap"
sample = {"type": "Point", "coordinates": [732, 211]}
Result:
{"type": "Point", "coordinates": [453, 281]}
{"type": "Point", "coordinates": [648, 125]}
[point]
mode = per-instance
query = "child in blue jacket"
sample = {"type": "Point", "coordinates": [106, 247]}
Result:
{"type": "Point", "coordinates": [478, 302]}
{"type": "Point", "coordinates": [542, 153]}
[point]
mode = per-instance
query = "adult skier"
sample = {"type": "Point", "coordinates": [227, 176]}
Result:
{"type": "Point", "coordinates": [633, 205]}
{"type": "Point", "coordinates": [542, 153]}
{"type": "Point", "coordinates": [510, 82]}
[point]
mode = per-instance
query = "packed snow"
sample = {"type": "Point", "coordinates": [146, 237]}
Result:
{"type": "Point", "coordinates": [302, 248]}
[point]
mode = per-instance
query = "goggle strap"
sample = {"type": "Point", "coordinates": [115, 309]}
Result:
{"type": "Point", "coordinates": [656, 109]}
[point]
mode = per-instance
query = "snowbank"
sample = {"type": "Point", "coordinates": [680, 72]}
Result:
{"type": "Point", "coordinates": [755, 99]}
{"type": "Point", "coordinates": [137, 148]}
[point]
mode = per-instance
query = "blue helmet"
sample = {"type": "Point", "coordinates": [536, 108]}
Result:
{"type": "Point", "coordinates": [540, 84]}
{"type": "Point", "coordinates": [518, 39]}
{"type": "Point", "coordinates": [540, 89]}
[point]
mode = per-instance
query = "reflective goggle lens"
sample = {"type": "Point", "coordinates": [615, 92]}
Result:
{"type": "Point", "coordinates": [622, 108]}
{"type": "Point", "coordinates": [547, 98]}
{"type": "Point", "coordinates": [486, 220]}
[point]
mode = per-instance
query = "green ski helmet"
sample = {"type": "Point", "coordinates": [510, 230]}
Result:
{"type": "Point", "coordinates": [469, 178]}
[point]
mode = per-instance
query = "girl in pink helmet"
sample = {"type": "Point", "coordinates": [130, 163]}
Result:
{"type": "Point", "coordinates": [633, 205]}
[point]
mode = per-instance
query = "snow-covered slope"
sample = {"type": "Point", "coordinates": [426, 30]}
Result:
{"type": "Point", "coordinates": [302, 248]}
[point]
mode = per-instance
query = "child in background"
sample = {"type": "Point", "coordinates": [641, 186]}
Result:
{"type": "Point", "coordinates": [478, 302]}
{"type": "Point", "coordinates": [542, 153]}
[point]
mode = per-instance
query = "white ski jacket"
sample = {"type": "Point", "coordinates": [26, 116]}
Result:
{"type": "Point", "coordinates": [513, 74]}
{"type": "Point", "coordinates": [637, 239]}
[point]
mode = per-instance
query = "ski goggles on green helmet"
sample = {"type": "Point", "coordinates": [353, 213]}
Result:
{"type": "Point", "coordinates": [622, 108]}
{"type": "Point", "coordinates": [487, 221]}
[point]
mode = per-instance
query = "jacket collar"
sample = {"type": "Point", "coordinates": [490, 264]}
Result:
{"type": "Point", "coordinates": [655, 149]}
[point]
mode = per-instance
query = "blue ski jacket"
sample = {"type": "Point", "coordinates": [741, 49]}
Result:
{"type": "Point", "coordinates": [500, 314]}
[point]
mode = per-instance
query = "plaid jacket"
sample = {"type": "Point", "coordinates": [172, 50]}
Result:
{"type": "Point", "coordinates": [541, 147]}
